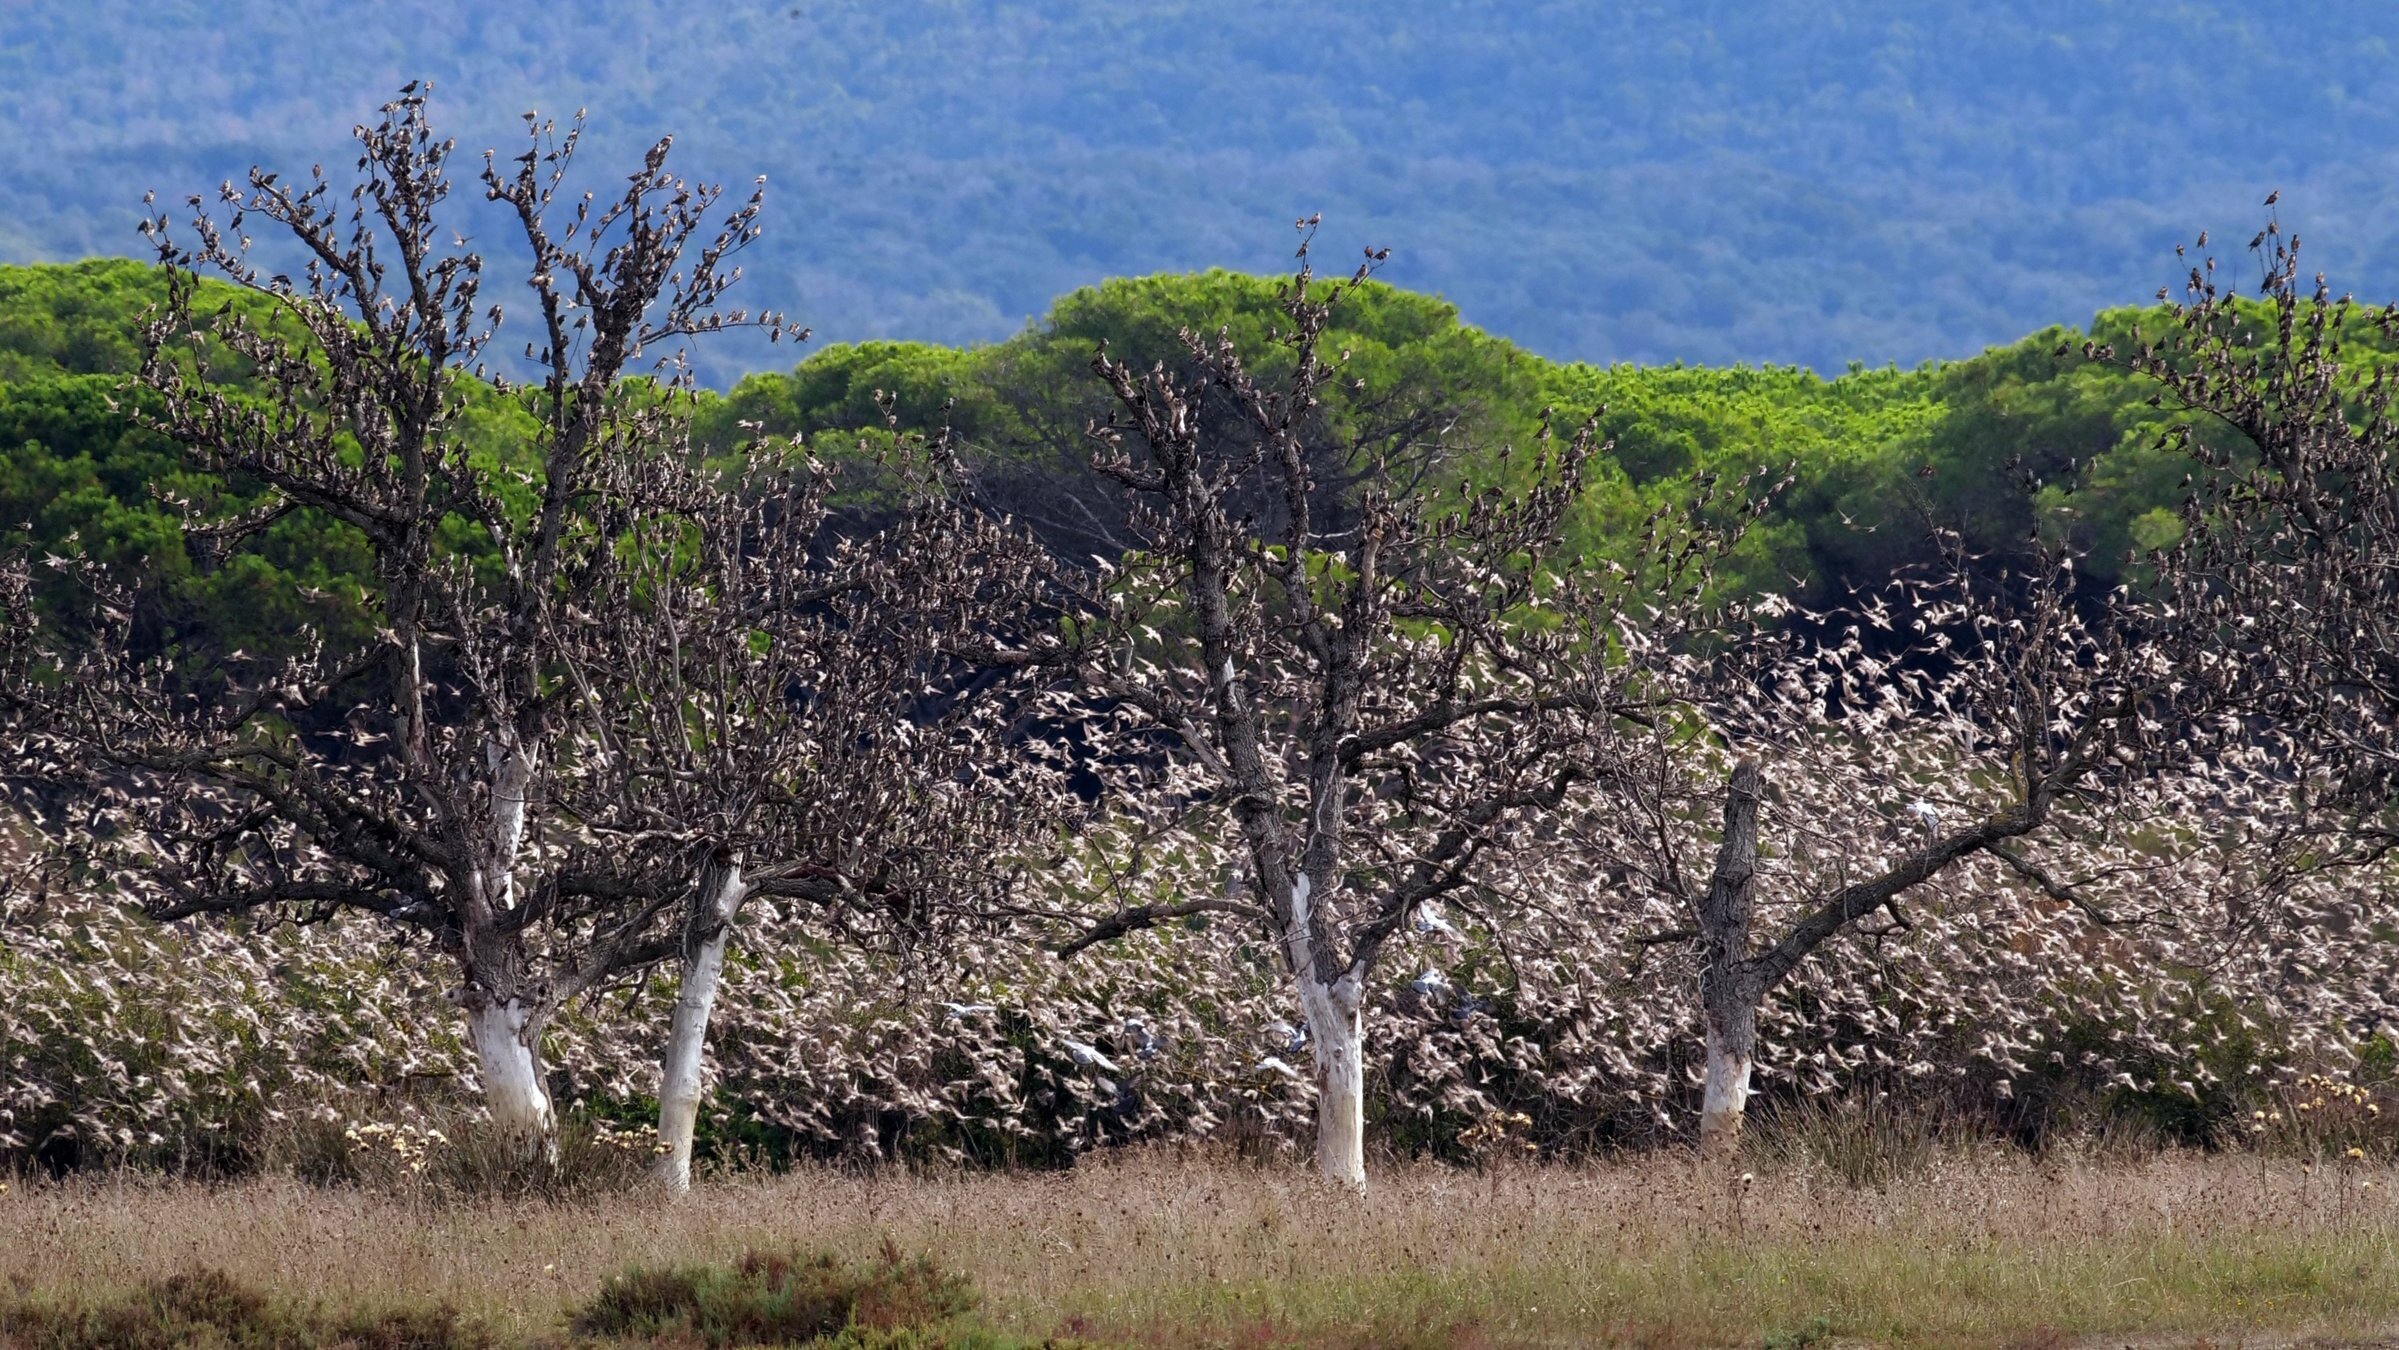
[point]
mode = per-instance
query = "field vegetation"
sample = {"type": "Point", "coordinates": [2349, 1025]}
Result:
{"type": "Point", "coordinates": [1956, 1244]}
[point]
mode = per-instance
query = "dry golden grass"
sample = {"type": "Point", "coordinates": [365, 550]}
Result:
{"type": "Point", "coordinates": [1985, 1248]}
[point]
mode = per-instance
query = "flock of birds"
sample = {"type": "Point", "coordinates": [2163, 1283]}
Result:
{"type": "Point", "coordinates": [1291, 1039]}
{"type": "Point", "coordinates": [1283, 1038]}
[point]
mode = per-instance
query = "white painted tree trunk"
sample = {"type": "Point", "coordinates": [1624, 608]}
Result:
{"type": "Point", "coordinates": [513, 1090]}
{"type": "Point", "coordinates": [1730, 1046]}
{"type": "Point", "coordinates": [498, 1022]}
{"type": "Point", "coordinates": [1336, 1030]}
{"type": "Point", "coordinates": [687, 1038]}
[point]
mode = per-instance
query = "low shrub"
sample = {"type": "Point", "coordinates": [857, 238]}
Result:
{"type": "Point", "coordinates": [764, 1299]}
{"type": "Point", "coordinates": [212, 1311]}
{"type": "Point", "coordinates": [777, 1298]}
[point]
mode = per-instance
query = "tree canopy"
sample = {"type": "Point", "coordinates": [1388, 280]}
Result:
{"type": "Point", "coordinates": [2029, 437]}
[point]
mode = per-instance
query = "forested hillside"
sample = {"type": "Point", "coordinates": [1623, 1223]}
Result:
{"type": "Point", "coordinates": [1988, 445]}
{"type": "Point", "coordinates": [1811, 183]}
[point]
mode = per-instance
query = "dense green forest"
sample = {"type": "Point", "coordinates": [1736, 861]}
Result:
{"type": "Point", "coordinates": [1994, 446]}
{"type": "Point", "coordinates": [1807, 183]}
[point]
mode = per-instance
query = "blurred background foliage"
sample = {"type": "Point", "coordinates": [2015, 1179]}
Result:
{"type": "Point", "coordinates": [2021, 438]}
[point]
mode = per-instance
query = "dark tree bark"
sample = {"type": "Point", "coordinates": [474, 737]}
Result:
{"type": "Point", "coordinates": [1729, 988]}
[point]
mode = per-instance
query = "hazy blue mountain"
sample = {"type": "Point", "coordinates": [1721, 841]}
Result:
{"type": "Point", "coordinates": [1810, 182]}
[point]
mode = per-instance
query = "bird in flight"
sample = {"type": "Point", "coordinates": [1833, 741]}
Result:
{"type": "Point", "coordinates": [1430, 922]}
{"type": "Point", "coordinates": [1087, 1054]}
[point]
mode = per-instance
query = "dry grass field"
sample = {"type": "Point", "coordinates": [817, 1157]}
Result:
{"type": "Point", "coordinates": [1972, 1248]}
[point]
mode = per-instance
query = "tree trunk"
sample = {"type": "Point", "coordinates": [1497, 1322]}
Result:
{"type": "Point", "coordinates": [1336, 1031]}
{"type": "Point", "coordinates": [513, 1087]}
{"type": "Point", "coordinates": [1729, 988]}
{"type": "Point", "coordinates": [511, 780]}
{"type": "Point", "coordinates": [499, 1022]}
{"type": "Point", "coordinates": [714, 903]}
{"type": "Point", "coordinates": [1731, 1046]}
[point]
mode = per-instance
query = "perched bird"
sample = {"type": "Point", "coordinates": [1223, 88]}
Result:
{"type": "Point", "coordinates": [1926, 814]}
{"type": "Point", "coordinates": [1088, 1055]}
{"type": "Point", "coordinates": [1292, 1039]}
{"type": "Point", "coordinates": [1429, 985]}
{"type": "Point", "coordinates": [2274, 196]}
{"type": "Point", "coordinates": [1145, 1042]}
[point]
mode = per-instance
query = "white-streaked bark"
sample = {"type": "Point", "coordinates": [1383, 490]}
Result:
{"type": "Point", "coordinates": [513, 1089]}
{"type": "Point", "coordinates": [511, 781]}
{"type": "Point", "coordinates": [1726, 1093]}
{"type": "Point", "coordinates": [719, 897]}
{"type": "Point", "coordinates": [1337, 1033]}
{"type": "Point", "coordinates": [501, 1025]}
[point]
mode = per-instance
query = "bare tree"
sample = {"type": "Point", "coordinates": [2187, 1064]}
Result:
{"type": "Point", "coordinates": [778, 732]}
{"type": "Point", "coordinates": [2258, 649]}
{"type": "Point", "coordinates": [1399, 435]}
{"type": "Point", "coordinates": [1356, 713]}
{"type": "Point", "coordinates": [1974, 726]}
{"type": "Point", "coordinates": [412, 778]}
{"type": "Point", "coordinates": [2289, 560]}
